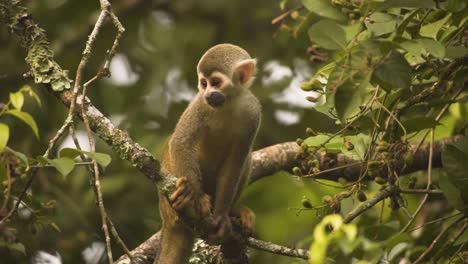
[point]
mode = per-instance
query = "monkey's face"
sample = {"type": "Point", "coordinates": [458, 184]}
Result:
{"type": "Point", "coordinates": [214, 88]}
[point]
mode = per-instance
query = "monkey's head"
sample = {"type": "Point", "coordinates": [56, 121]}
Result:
{"type": "Point", "coordinates": [224, 71]}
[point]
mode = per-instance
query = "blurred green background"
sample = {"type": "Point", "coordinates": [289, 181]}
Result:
{"type": "Point", "coordinates": [153, 78]}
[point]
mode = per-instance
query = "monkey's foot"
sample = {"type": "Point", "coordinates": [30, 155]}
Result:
{"type": "Point", "coordinates": [222, 229]}
{"type": "Point", "coordinates": [247, 219]}
{"type": "Point", "coordinates": [183, 196]}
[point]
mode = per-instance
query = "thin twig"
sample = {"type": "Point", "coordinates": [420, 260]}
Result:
{"type": "Point", "coordinates": [8, 194]}
{"type": "Point", "coordinates": [438, 117]}
{"type": "Point", "coordinates": [392, 115]}
{"type": "Point", "coordinates": [418, 191]}
{"type": "Point", "coordinates": [380, 196]}
{"type": "Point", "coordinates": [48, 165]}
{"type": "Point", "coordinates": [434, 242]}
{"type": "Point", "coordinates": [31, 174]}
{"type": "Point", "coordinates": [332, 169]}
{"type": "Point", "coordinates": [119, 240]}
{"type": "Point", "coordinates": [97, 182]}
{"type": "Point", "coordinates": [434, 221]}
{"type": "Point", "coordinates": [428, 186]}
{"type": "Point", "coordinates": [460, 232]}
{"type": "Point", "coordinates": [84, 61]}
{"type": "Point", "coordinates": [456, 254]}
{"type": "Point", "coordinates": [105, 12]}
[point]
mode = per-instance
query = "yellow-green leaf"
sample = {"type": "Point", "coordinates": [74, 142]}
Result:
{"type": "Point", "coordinates": [26, 118]}
{"type": "Point", "coordinates": [324, 8]}
{"type": "Point", "coordinates": [431, 30]}
{"type": "Point", "coordinates": [63, 165]}
{"type": "Point", "coordinates": [32, 94]}
{"type": "Point", "coordinates": [320, 34]}
{"type": "Point", "coordinates": [101, 158]}
{"type": "Point", "coordinates": [4, 135]}
{"type": "Point", "coordinates": [55, 227]}
{"type": "Point", "coordinates": [17, 99]}
{"type": "Point", "coordinates": [70, 153]}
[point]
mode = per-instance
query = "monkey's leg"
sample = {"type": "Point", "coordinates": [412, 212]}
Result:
{"type": "Point", "coordinates": [176, 240]}
{"type": "Point", "coordinates": [246, 217]}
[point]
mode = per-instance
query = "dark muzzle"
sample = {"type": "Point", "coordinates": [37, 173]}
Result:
{"type": "Point", "coordinates": [215, 99]}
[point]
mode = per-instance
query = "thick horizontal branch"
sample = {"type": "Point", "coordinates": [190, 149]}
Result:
{"type": "Point", "coordinates": [278, 157]}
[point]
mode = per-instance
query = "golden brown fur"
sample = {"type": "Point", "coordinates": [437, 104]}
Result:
{"type": "Point", "coordinates": [209, 151]}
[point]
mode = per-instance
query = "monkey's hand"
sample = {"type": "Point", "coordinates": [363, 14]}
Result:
{"type": "Point", "coordinates": [222, 229]}
{"type": "Point", "coordinates": [186, 196]}
{"type": "Point", "coordinates": [183, 196]}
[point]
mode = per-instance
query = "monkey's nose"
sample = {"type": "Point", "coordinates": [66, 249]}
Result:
{"type": "Point", "coordinates": [215, 99]}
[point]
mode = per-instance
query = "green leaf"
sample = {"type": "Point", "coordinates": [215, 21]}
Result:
{"type": "Point", "coordinates": [456, 5]}
{"type": "Point", "coordinates": [342, 233]}
{"type": "Point", "coordinates": [433, 47]}
{"type": "Point", "coordinates": [397, 239]}
{"type": "Point", "coordinates": [328, 34]}
{"type": "Point", "coordinates": [17, 99]}
{"type": "Point", "coordinates": [431, 30]}
{"type": "Point", "coordinates": [17, 247]}
{"type": "Point", "coordinates": [361, 143]}
{"type": "Point", "coordinates": [32, 94]}
{"type": "Point", "coordinates": [380, 24]}
{"type": "Point", "coordinates": [70, 153]}
{"type": "Point", "coordinates": [324, 8]}
{"type": "Point", "coordinates": [419, 123]}
{"type": "Point", "coordinates": [462, 239]}
{"type": "Point", "coordinates": [406, 20]}
{"type": "Point", "coordinates": [451, 193]}
{"type": "Point", "coordinates": [350, 96]}
{"type": "Point", "coordinates": [397, 250]}
{"type": "Point", "coordinates": [414, 51]}
{"type": "Point", "coordinates": [407, 3]}
{"type": "Point", "coordinates": [454, 161]}
{"type": "Point", "coordinates": [394, 72]}
{"type": "Point", "coordinates": [26, 118]}
{"type": "Point", "coordinates": [353, 67]}
{"type": "Point", "coordinates": [101, 158]}
{"type": "Point", "coordinates": [4, 135]}
{"type": "Point", "coordinates": [454, 52]}
{"type": "Point", "coordinates": [55, 227]}
{"type": "Point", "coordinates": [334, 145]}
{"type": "Point", "coordinates": [63, 165]}
{"type": "Point", "coordinates": [351, 31]}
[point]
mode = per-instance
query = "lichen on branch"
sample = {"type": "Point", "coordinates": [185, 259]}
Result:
{"type": "Point", "coordinates": [40, 57]}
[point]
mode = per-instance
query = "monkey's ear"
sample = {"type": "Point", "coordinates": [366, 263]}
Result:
{"type": "Point", "coordinates": [245, 70]}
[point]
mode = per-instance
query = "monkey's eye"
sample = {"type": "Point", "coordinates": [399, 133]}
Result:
{"type": "Point", "coordinates": [216, 82]}
{"type": "Point", "coordinates": [203, 83]}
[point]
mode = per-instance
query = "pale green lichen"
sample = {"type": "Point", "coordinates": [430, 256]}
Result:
{"type": "Point", "coordinates": [40, 58]}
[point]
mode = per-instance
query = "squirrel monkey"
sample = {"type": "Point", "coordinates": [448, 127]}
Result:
{"type": "Point", "coordinates": [210, 151]}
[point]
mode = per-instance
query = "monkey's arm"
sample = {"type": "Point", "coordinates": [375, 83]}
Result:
{"type": "Point", "coordinates": [183, 162]}
{"type": "Point", "coordinates": [234, 168]}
